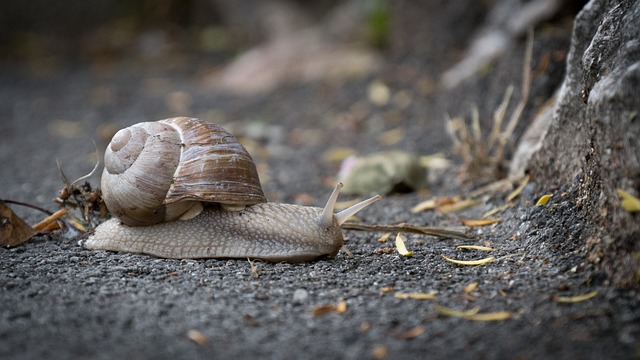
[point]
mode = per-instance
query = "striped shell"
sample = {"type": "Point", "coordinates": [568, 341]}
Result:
{"type": "Point", "coordinates": [158, 171]}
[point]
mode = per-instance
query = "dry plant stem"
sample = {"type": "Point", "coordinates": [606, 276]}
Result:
{"type": "Point", "coordinates": [526, 89]}
{"type": "Point", "coordinates": [50, 219]}
{"type": "Point", "coordinates": [433, 231]}
{"type": "Point", "coordinates": [27, 205]}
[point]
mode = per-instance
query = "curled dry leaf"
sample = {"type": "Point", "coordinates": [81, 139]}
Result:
{"type": "Point", "coordinates": [402, 249]}
{"type": "Point", "coordinates": [470, 262]}
{"type": "Point", "coordinates": [13, 230]}
{"type": "Point", "coordinates": [575, 299]}
{"type": "Point", "coordinates": [544, 199]}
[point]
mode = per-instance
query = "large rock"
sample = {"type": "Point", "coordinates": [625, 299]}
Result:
{"type": "Point", "coordinates": [593, 139]}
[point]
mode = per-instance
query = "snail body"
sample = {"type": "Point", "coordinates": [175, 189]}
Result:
{"type": "Point", "coordinates": [218, 212]}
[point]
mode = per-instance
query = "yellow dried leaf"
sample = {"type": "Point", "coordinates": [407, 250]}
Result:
{"type": "Point", "coordinates": [458, 206]}
{"type": "Point", "coordinates": [492, 316]}
{"type": "Point", "coordinates": [496, 210]}
{"type": "Point", "coordinates": [402, 249]}
{"type": "Point", "coordinates": [384, 238]}
{"type": "Point", "coordinates": [630, 203]}
{"type": "Point", "coordinates": [429, 204]}
{"type": "Point", "coordinates": [386, 289]}
{"type": "Point", "coordinates": [483, 222]}
{"type": "Point", "coordinates": [475, 247]}
{"type": "Point", "coordinates": [445, 311]}
{"type": "Point", "coordinates": [575, 299]}
{"type": "Point", "coordinates": [519, 189]}
{"type": "Point", "coordinates": [470, 262]}
{"type": "Point", "coordinates": [544, 199]}
{"type": "Point", "coordinates": [415, 296]}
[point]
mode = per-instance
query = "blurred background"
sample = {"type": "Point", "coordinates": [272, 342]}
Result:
{"type": "Point", "coordinates": [294, 80]}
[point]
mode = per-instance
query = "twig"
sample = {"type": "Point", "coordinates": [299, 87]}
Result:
{"type": "Point", "coordinates": [27, 205]}
{"type": "Point", "coordinates": [433, 231]}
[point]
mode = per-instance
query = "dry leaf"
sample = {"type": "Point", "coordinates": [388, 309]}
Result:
{"type": "Point", "coordinates": [402, 249]}
{"type": "Point", "coordinates": [383, 239]}
{"type": "Point", "coordinates": [475, 247]}
{"type": "Point", "coordinates": [415, 296]}
{"type": "Point", "coordinates": [492, 316]}
{"type": "Point", "coordinates": [386, 289]}
{"type": "Point", "coordinates": [428, 204]}
{"type": "Point", "coordinates": [340, 308]}
{"type": "Point", "coordinates": [496, 210]}
{"type": "Point", "coordinates": [445, 311]}
{"type": "Point", "coordinates": [630, 203]}
{"type": "Point", "coordinates": [471, 287]}
{"type": "Point", "coordinates": [575, 299]}
{"type": "Point", "coordinates": [13, 230]}
{"type": "Point", "coordinates": [410, 334]}
{"type": "Point", "coordinates": [483, 222]}
{"type": "Point", "coordinates": [544, 199]}
{"type": "Point", "coordinates": [197, 337]}
{"type": "Point", "coordinates": [519, 189]}
{"type": "Point", "coordinates": [470, 262]}
{"type": "Point", "coordinates": [458, 206]}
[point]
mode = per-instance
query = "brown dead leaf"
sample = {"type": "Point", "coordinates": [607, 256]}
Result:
{"type": "Point", "coordinates": [340, 308]}
{"type": "Point", "coordinates": [13, 230]}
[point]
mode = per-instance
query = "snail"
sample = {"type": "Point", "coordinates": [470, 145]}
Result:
{"type": "Point", "coordinates": [186, 188]}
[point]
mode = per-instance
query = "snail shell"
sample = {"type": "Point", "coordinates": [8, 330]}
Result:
{"type": "Point", "coordinates": [158, 171]}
